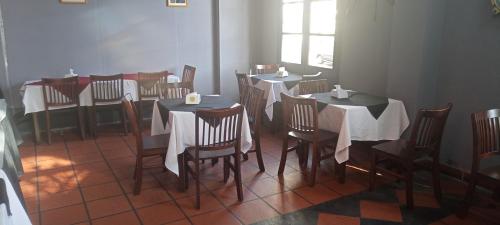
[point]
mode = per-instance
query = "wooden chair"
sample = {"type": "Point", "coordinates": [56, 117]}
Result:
{"type": "Point", "coordinates": [106, 91]}
{"type": "Point", "coordinates": [147, 146]}
{"type": "Point", "coordinates": [425, 140]}
{"type": "Point", "coordinates": [188, 77]}
{"type": "Point", "coordinates": [266, 68]}
{"type": "Point", "coordinates": [243, 85]}
{"type": "Point", "coordinates": [149, 89]}
{"type": "Point", "coordinates": [218, 135]}
{"type": "Point", "coordinates": [316, 76]}
{"type": "Point", "coordinates": [254, 105]}
{"type": "Point", "coordinates": [486, 144]}
{"type": "Point", "coordinates": [61, 93]}
{"type": "Point", "coordinates": [176, 91]}
{"type": "Point", "coordinates": [313, 86]}
{"type": "Point", "coordinates": [300, 122]}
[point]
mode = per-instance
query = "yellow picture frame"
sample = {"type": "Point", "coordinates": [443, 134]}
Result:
{"type": "Point", "coordinates": [177, 3]}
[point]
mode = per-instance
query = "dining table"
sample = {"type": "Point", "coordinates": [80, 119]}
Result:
{"type": "Point", "coordinates": [177, 119]}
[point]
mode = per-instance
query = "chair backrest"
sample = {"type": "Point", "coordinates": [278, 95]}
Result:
{"type": "Point", "coordinates": [486, 133]}
{"type": "Point", "coordinates": [60, 91]}
{"type": "Point", "coordinates": [316, 76]}
{"type": "Point", "coordinates": [131, 110]}
{"type": "Point", "coordinates": [313, 86]}
{"type": "Point", "coordinates": [299, 114]}
{"type": "Point", "coordinates": [150, 84]}
{"type": "Point", "coordinates": [218, 129]}
{"type": "Point", "coordinates": [175, 91]}
{"type": "Point", "coordinates": [254, 105]}
{"type": "Point", "coordinates": [188, 76]}
{"type": "Point", "coordinates": [106, 88]}
{"type": "Point", "coordinates": [428, 129]}
{"type": "Point", "coordinates": [266, 68]}
{"type": "Point", "coordinates": [243, 85]}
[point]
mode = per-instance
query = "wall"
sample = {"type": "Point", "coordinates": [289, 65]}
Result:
{"type": "Point", "coordinates": [470, 75]}
{"type": "Point", "coordinates": [46, 38]}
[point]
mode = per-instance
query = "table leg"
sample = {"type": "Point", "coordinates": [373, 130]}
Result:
{"type": "Point", "coordinates": [36, 127]}
{"type": "Point", "coordinates": [341, 168]}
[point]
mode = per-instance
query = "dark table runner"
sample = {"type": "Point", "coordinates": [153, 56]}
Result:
{"type": "Point", "coordinates": [207, 102]}
{"type": "Point", "coordinates": [290, 81]}
{"type": "Point", "coordinates": [375, 104]}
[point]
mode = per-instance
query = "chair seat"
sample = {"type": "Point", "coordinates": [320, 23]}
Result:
{"type": "Point", "coordinates": [211, 154]}
{"type": "Point", "coordinates": [492, 172]}
{"type": "Point", "coordinates": [398, 148]}
{"type": "Point", "coordinates": [155, 142]}
{"type": "Point", "coordinates": [324, 136]}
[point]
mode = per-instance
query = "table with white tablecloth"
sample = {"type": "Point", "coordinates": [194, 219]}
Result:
{"type": "Point", "coordinates": [179, 122]}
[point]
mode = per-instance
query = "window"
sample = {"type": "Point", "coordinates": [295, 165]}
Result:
{"type": "Point", "coordinates": [308, 26]}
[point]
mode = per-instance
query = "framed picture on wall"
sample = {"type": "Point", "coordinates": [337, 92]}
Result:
{"type": "Point", "coordinates": [73, 1]}
{"type": "Point", "coordinates": [177, 3]}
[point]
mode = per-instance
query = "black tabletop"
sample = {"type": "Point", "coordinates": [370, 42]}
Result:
{"type": "Point", "coordinates": [207, 102]}
{"type": "Point", "coordinates": [375, 104]}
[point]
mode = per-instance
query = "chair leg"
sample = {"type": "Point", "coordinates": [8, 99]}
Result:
{"type": "Point", "coordinates": [315, 164]}
{"type": "Point", "coordinates": [469, 196]}
{"type": "Point", "coordinates": [124, 121]}
{"type": "Point", "coordinates": [409, 189]}
{"type": "Point", "coordinates": [93, 122]}
{"type": "Point", "coordinates": [283, 156]}
{"type": "Point", "coordinates": [197, 178]}
{"type": "Point", "coordinates": [341, 172]}
{"type": "Point", "coordinates": [81, 123]}
{"type": "Point", "coordinates": [436, 180]}
{"type": "Point", "coordinates": [163, 158]}
{"type": "Point", "coordinates": [237, 175]}
{"type": "Point", "coordinates": [138, 181]}
{"type": "Point", "coordinates": [135, 168]}
{"type": "Point", "coordinates": [226, 168]}
{"type": "Point", "coordinates": [245, 156]}
{"type": "Point", "coordinates": [373, 171]}
{"type": "Point", "coordinates": [47, 125]}
{"type": "Point", "coordinates": [258, 151]}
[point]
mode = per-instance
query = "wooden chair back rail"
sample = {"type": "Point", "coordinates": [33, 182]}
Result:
{"type": "Point", "coordinates": [150, 84]}
{"type": "Point", "coordinates": [486, 133]}
{"type": "Point", "coordinates": [300, 114]}
{"type": "Point", "coordinates": [266, 68]}
{"type": "Point", "coordinates": [188, 73]}
{"type": "Point", "coordinates": [131, 111]}
{"type": "Point", "coordinates": [313, 86]}
{"type": "Point", "coordinates": [243, 85]}
{"type": "Point", "coordinates": [254, 105]}
{"type": "Point", "coordinates": [428, 129]}
{"type": "Point", "coordinates": [60, 92]}
{"type": "Point", "coordinates": [107, 88]}
{"type": "Point", "coordinates": [218, 129]}
{"type": "Point", "coordinates": [172, 92]}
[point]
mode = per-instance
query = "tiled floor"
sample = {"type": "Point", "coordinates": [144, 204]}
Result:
{"type": "Point", "coordinates": [90, 182]}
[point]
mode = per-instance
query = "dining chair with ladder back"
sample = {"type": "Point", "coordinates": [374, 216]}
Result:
{"type": "Point", "coordinates": [300, 123]}
{"type": "Point", "coordinates": [149, 89]}
{"type": "Point", "coordinates": [217, 135]}
{"type": "Point", "coordinates": [486, 145]}
{"type": "Point", "coordinates": [243, 85]}
{"type": "Point", "coordinates": [188, 75]}
{"type": "Point", "coordinates": [61, 93]}
{"type": "Point", "coordinates": [313, 86]}
{"type": "Point", "coordinates": [266, 68]}
{"type": "Point", "coordinates": [147, 146]}
{"type": "Point", "coordinates": [254, 107]}
{"type": "Point", "coordinates": [425, 141]}
{"type": "Point", "coordinates": [106, 91]}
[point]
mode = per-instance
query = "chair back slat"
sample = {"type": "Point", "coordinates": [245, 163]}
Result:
{"type": "Point", "coordinates": [428, 129]}
{"type": "Point", "coordinates": [106, 88]}
{"type": "Point", "coordinates": [60, 91]}
{"type": "Point", "coordinates": [313, 86]}
{"type": "Point", "coordinates": [150, 84]}
{"type": "Point", "coordinates": [254, 105]}
{"type": "Point", "coordinates": [299, 114]}
{"type": "Point", "coordinates": [175, 91]}
{"type": "Point", "coordinates": [243, 85]}
{"type": "Point", "coordinates": [218, 129]}
{"type": "Point", "coordinates": [486, 133]}
{"type": "Point", "coordinates": [131, 111]}
{"type": "Point", "coordinates": [266, 68]}
{"type": "Point", "coordinates": [188, 75]}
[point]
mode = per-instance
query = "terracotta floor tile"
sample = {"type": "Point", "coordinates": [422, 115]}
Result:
{"type": "Point", "coordinates": [148, 181]}
{"type": "Point", "coordinates": [160, 214]}
{"type": "Point", "coordinates": [173, 190]}
{"type": "Point", "coordinates": [266, 187]}
{"type": "Point", "coordinates": [87, 158]}
{"type": "Point", "coordinates": [75, 152]}
{"type": "Point", "coordinates": [117, 153]}
{"type": "Point", "coordinates": [29, 166]}
{"type": "Point", "coordinates": [87, 179]}
{"type": "Point", "coordinates": [29, 187]}
{"type": "Point", "coordinates": [207, 203]}
{"type": "Point", "coordinates": [216, 217]}
{"type": "Point", "coordinates": [112, 145]}
{"type": "Point", "coordinates": [317, 194]}
{"type": "Point", "coordinates": [332, 219]}
{"type": "Point", "coordinates": [228, 195]}
{"type": "Point", "coordinates": [149, 197]}
{"type": "Point", "coordinates": [128, 218]}
{"type": "Point", "coordinates": [469, 220]}
{"type": "Point", "coordinates": [35, 218]}
{"type": "Point", "coordinates": [286, 202]}
{"type": "Point", "coordinates": [58, 200]}
{"type": "Point", "coordinates": [124, 173]}
{"type": "Point", "coordinates": [108, 206]}
{"type": "Point", "coordinates": [65, 216]}
{"type": "Point", "coordinates": [272, 169]}
{"type": "Point", "coordinates": [91, 167]}
{"type": "Point", "coordinates": [57, 180]}
{"type": "Point", "coordinates": [253, 211]}
{"type": "Point", "coordinates": [348, 188]}
{"type": "Point", "coordinates": [53, 164]}
{"type": "Point", "coordinates": [180, 222]}
{"type": "Point", "coordinates": [293, 180]}
{"type": "Point", "coordinates": [31, 205]}
{"type": "Point", "coordinates": [380, 211]}
{"type": "Point", "coordinates": [122, 162]}
{"type": "Point", "coordinates": [101, 191]}
{"type": "Point", "coordinates": [52, 155]}
{"type": "Point", "coordinates": [420, 199]}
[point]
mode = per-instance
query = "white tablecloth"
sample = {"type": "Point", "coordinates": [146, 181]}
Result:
{"type": "Point", "coordinates": [357, 123]}
{"type": "Point", "coordinates": [181, 126]}
{"type": "Point", "coordinates": [19, 215]}
{"type": "Point", "coordinates": [272, 90]}
{"type": "Point", "coordinates": [33, 94]}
